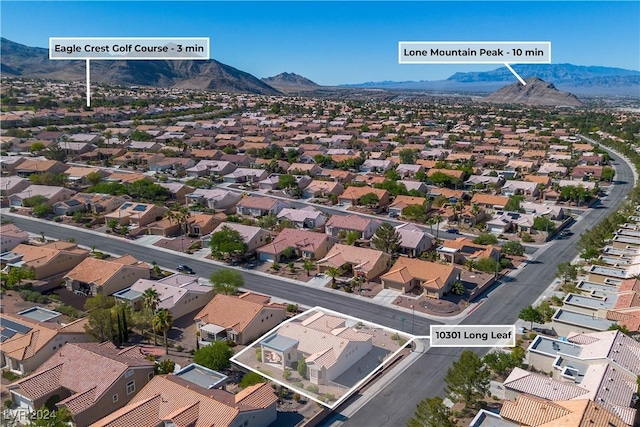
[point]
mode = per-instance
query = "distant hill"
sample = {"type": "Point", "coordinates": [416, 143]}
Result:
{"type": "Point", "coordinates": [577, 79]}
{"type": "Point", "coordinates": [535, 92]}
{"type": "Point", "coordinates": [291, 82]}
{"type": "Point", "coordinates": [20, 60]}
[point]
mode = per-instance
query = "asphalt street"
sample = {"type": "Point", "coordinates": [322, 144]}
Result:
{"type": "Point", "coordinates": [425, 378]}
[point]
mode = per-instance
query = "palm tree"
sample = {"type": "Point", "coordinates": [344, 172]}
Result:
{"type": "Point", "coordinates": [437, 219]}
{"type": "Point", "coordinates": [475, 210]}
{"type": "Point", "coordinates": [470, 264]}
{"type": "Point", "coordinates": [150, 299]}
{"type": "Point", "coordinates": [307, 266]}
{"type": "Point", "coordinates": [171, 216]}
{"type": "Point", "coordinates": [333, 272]}
{"type": "Point", "coordinates": [162, 321]}
{"type": "Point", "coordinates": [182, 217]}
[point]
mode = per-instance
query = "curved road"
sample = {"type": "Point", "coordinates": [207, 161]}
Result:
{"type": "Point", "coordinates": [396, 403]}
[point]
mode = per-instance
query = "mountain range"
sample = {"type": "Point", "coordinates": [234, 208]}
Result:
{"type": "Point", "coordinates": [20, 60]}
{"type": "Point", "coordinates": [535, 92]}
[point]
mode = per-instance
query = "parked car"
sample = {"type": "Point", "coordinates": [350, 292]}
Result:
{"type": "Point", "coordinates": [453, 231]}
{"type": "Point", "coordinates": [185, 269]}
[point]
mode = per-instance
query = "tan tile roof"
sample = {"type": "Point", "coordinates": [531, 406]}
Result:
{"type": "Point", "coordinates": [532, 411]}
{"type": "Point", "coordinates": [363, 259]}
{"type": "Point", "coordinates": [35, 256]}
{"type": "Point", "coordinates": [349, 222]}
{"type": "Point", "coordinates": [585, 413]}
{"type": "Point", "coordinates": [230, 312]}
{"type": "Point", "coordinates": [98, 271]}
{"type": "Point", "coordinates": [23, 346]}
{"type": "Point", "coordinates": [404, 201]}
{"type": "Point", "coordinates": [489, 199]}
{"type": "Point", "coordinates": [186, 404]}
{"type": "Point", "coordinates": [543, 386]}
{"type": "Point", "coordinates": [298, 239]}
{"type": "Point", "coordinates": [471, 250]}
{"type": "Point", "coordinates": [87, 370]}
{"type": "Point", "coordinates": [432, 274]}
{"type": "Point", "coordinates": [252, 202]}
{"type": "Point", "coordinates": [355, 193]}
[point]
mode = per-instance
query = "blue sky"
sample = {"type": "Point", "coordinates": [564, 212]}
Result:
{"type": "Point", "coordinates": [342, 42]}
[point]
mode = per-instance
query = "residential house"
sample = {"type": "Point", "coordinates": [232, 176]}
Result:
{"type": "Point", "coordinates": [503, 222]}
{"type": "Point", "coordinates": [90, 380]}
{"type": "Point", "coordinates": [11, 236]}
{"type": "Point", "coordinates": [259, 206]}
{"type": "Point", "coordinates": [409, 171]}
{"type": "Point", "coordinates": [211, 168]}
{"type": "Point", "coordinates": [177, 190]}
{"type": "Point", "coordinates": [13, 184]}
{"type": "Point", "coordinates": [524, 188]}
{"type": "Point", "coordinates": [310, 169]}
{"type": "Point", "coordinates": [31, 166]}
{"type": "Point", "coordinates": [460, 250]}
{"type": "Point", "coordinates": [51, 194]}
{"type": "Point", "coordinates": [587, 173]}
{"type": "Point", "coordinates": [89, 202]}
{"type": "Point", "coordinates": [95, 276]}
{"type": "Point", "coordinates": [254, 237]}
{"type": "Point", "coordinates": [50, 261]}
{"type": "Point", "coordinates": [238, 318]}
{"type": "Point", "coordinates": [216, 198]}
{"type": "Point", "coordinates": [318, 188]}
{"type": "Point", "coordinates": [418, 186]}
{"type": "Point", "coordinates": [365, 262]}
{"type": "Point", "coordinates": [401, 202]}
{"type": "Point", "coordinates": [246, 175]}
{"type": "Point", "coordinates": [175, 401]}
{"type": "Point", "coordinates": [434, 279]}
{"type": "Point", "coordinates": [338, 224]}
{"type": "Point", "coordinates": [136, 214]}
{"type": "Point", "coordinates": [489, 202]}
{"type": "Point", "coordinates": [352, 196]}
{"type": "Point", "coordinates": [199, 225]}
{"type": "Point", "coordinates": [376, 165]}
{"type": "Point", "coordinates": [304, 244]}
{"type": "Point", "coordinates": [307, 217]}
{"type": "Point", "coordinates": [27, 343]}
{"type": "Point", "coordinates": [327, 345]}
{"type": "Point", "coordinates": [413, 240]}
{"type": "Point", "coordinates": [555, 213]}
{"type": "Point", "coordinates": [179, 293]}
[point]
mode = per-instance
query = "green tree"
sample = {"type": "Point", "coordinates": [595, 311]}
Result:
{"type": "Point", "coordinates": [458, 288]}
{"type": "Point", "coordinates": [408, 156]}
{"type": "Point", "coordinates": [163, 321]}
{"type": "Point", "coordinates": [486, 239]}
{"type": "Point", "coordinates": [546, 311]}
{"type": "Point", "coordinates": [36, 147]}
{"type": "Point", "coordinates": [226, 281]}
{"type": "Point", "coordinates": [370, 199]}
{"type": "Point", "coordinates": [308, 265]}
{"type": "Point", "coordinates": [251, 378]}
{"type": "Point", "coordinates": [440, 179]}
{"type": "Point", "coordinates": [513, 248]}
{"type": "Point", "coordinates": [54, 152]}
{"type": "Point", "coordinates": [386, 239]}
{"type": "Point", "coordinates": [100, 323]}
{"type": "Point", "coordinates": [163, 367]}
{"type": "Point", "coordinates": [542, 223]}
{"type": "Point", "coordinates": [513, 204]}
{"type": "Point", "coordinates": [227, 242]}
{"type": "Point", "coordinates": [57, 417]}
{"type": "Point", "coordinates": [16, 275]}
{"type": "Point", "coordinates": [431, 412]}
{"type": "Point", "coordinates": [530, 314]}
{"type": "Point", "coordinates": [143, 320]}
{"type": "Point", "coordinates": [467, 380]}
{"type": "Point", "coordinates": [608, 174]}
{"type": "Point", "coordinates": [287, 181]}
{"type": "Point", "coordinates": [94, 178]}
{"type": "Point", "coordinates": [487, 265]}
{"type": "Point", "coordinates": [416, 213]}
{"type": "Point", "coordinates": [150, 299]}
{"type": "Point", "coordinates": [567, 272]}
{"type": "Point", "coordinates": [500, 363]}
{"type": "Point", "coordinates": [214, 356]}
{"type": "Point", "coordinates": [268, 221]}
{"type": "Point", "coordinates": [352, 237]}
{"type": "Point", "coordinates": [302, 368]}
{"type": "Point", "coordinates": [621, 328]}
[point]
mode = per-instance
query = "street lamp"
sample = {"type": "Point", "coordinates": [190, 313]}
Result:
{"type": "Point", "coordinates": [402, 319]}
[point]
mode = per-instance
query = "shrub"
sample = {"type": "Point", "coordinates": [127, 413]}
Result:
{"type": "Point", "coordinates": [179, 348]}
{"type": "Point", "coordinates": [275, 266]}
{"type": "Point", "coordinates": [296, 397]}
{"type": "Point", "coordinates": [69, 311]}
{"type": "Point", "coordinates": [250, 379]}
{"type": "Point", "coordinates": [347, 289]}
{"type": "Point", "coordinates": [292, 308]}
{"type": "Point", "coordinates": [334, 286]}
{"type": "Point", "coordinates": [8, 403]}
{"type": "Point", "coordinates": [259, 354]}
{"type": "Point", "coordinates": [286, 374]}
{"type": "Point", "coordinates": [313, 389]}
{"type": "Point", "coordinates": [526, 237]}
{"type": "Point", "coordinates": [8, 375]}
{"type": "Point", "coordinates": [34, 296]}
{"type": "Point", "coordinates": [532, 335]}
{"type": "Point", "coordinates": [231, 343]}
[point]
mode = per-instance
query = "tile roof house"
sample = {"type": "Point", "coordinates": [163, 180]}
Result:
{"type": "Point", "coordinates": [532, 411]}
{"type": "Point", "coordinates": [238, 318]}
{"type": "Point", "coordinates": [413, 240]}
{"type": "Point", "coordinates": [95, 276]}
{"type": "Point", "coordinates": [137, 214]}
{"type": "Point", "coordinates": [31, 166]}
{"type": "Point", "coordinates": [458, 251]}
{"type": "Point", "coordinates": [305, 244]}
{"type": "Point", "coordinates": [173, 401]}
{"type": "Point", "coordinates": [259, 206]}
{"type": "Point", "coordinates": [352, 196]}
{"type": "Point", "coordinates": [400, 202]}
{"type": "Point", "coordinates": [216, 198]}
{"type": "Point", "coordinates": [310, 169]}
{"type": "Point", "coordinates": [317, 188]}
{"type": "Point", "coordinates": [254, 237]}
{"type": "Point", "coordinates": [489, 201]}
{"type": "Point", "coordinates": [27, 344]}
{"type": "Point", "coordinates": [307, 217]}
{"type": "Point", "coordinates": [433, 278]}
{"type": "Point", "coordinates": [13, 184]}
{"type": "Point", "coordinates": [327, 345]}
{"type": "Point", "coordinates": [89, 202]}
{"type": "Point", "coordinates": [365, 262]}
{"type": "Point", "coordinates": [211, 168]}
{"type": "Point", "coordinates": [365, 226]}
{"type": "Point", "coordinates": [91, 380]}
{"type": "Point", "coordinates": [11, 236]}
{"type": "Point", "coordinates": [50, 260]}
{"type": "Point", "coordinates": [52, 194]}
{"type": "Point", "coordinates": [179, 293]}
{"type": "Point", "coordinates": [244, 175]}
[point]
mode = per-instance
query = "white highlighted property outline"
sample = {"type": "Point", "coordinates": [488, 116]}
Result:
{"type": "Point", "coordinates": [350, 391]}
{"type": "Point", "coordinates": [204, 55]}
{"type": "Point", "coordinates": [453, 327]}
